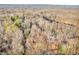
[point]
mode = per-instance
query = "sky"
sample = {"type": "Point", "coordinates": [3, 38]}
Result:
{"type": "Point", "coordinates": [55, 2]}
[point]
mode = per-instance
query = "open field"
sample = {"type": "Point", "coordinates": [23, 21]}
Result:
{"type": "Point", "coordinates": [39, 31]}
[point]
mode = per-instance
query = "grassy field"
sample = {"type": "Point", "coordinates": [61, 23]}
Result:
{"type": "Point", "coordinates": [39, 31]}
